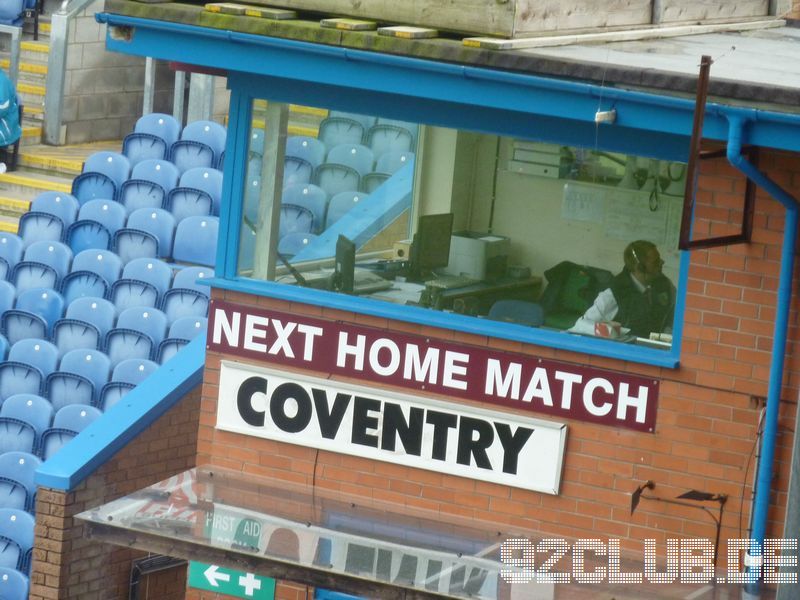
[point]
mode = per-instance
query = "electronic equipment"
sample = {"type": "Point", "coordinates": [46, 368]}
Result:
{"type": "Point", "coordinates": [481, 256]}
{"type": "Point", "coordinates": [431, 246]}
{"type": "Point", "coordinates": [344, 266]}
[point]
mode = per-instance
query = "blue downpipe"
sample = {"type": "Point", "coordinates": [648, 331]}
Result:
{"type": "Point", "coordinates": [765, 466]}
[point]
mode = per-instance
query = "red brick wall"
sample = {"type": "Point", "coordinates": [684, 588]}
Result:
{"type": "Point", "coordinates": [65, 563]}
{"type": "Point", "coordinates": [707, 417]}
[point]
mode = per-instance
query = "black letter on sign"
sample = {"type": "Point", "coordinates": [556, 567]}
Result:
{"type": "Point", "coordinates": [277, 407]}
{"type": "Point", "coordinates": [512, 445]}
{"type": "Point", "coordinates": [395, 425]}
{"type": "Point", "coordinates": [477, 448]}
{"type": "Point", "coordinates": [330, 419]}
{"type": "Point", "coordinates": [244, 399]}
{"type": "Point", "coordinates": [441, 423]}
{"type": "Point", "coordinates": [362, 421]}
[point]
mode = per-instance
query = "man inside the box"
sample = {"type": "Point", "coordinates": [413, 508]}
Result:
{"type": "Point", "coordinates": [639, 301]}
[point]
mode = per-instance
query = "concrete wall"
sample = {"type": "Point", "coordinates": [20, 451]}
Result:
{"type": "Point", "coordinates": [66, 565]}
{"type": "Point", "coordinates": [103, 91]}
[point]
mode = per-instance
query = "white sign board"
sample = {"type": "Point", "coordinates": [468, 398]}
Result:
{"type": "Point", "coordinates": [417, 432]}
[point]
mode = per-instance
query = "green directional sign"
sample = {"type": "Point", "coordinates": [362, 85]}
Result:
{"type": "Point", "coordinates": [232, 583]}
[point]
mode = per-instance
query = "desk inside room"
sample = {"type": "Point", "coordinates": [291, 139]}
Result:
{"type": "Point", "coordinates": [476, 298]}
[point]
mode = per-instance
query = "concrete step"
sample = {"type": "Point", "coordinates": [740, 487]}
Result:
{"type": "Point", "coordinates": [33, 161]}
{"type": "Point", "coordinates": [26, 185]}
{"type": "Point", "coordinates": [35, 52]}
{"type": "Point", "coordinates": [7, 223]}
{"type": "Point", "coordinates": [11, 209]}
{"type": "Point", "coordinates": [31, 69]}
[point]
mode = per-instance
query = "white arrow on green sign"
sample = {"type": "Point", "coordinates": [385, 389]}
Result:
{"type": "Point", "coordinates": [232, 583]}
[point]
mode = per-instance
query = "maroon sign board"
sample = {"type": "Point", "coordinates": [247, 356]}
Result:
{"type": "Point", "coordinates": [415, 362]}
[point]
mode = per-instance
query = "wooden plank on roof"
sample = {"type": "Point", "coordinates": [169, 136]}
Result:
{"type": "Point", "coordinates": [618, 36]}
{"type": "Point", "coordinates": [707, 11]}
{"type": "Point", "coordinates": [349, 24]}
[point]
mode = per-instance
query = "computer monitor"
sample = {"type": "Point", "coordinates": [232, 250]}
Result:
{"type": "Point", "coordinates": [344, 266]}
{"type": "Point", "coordinates": [430, 248]}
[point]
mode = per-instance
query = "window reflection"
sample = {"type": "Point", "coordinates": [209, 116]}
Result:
{"type": "Point", "coordinates": [531, 233]}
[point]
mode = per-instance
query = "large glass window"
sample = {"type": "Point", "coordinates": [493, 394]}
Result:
{"type": "Point", "coordinates": [540, 235]}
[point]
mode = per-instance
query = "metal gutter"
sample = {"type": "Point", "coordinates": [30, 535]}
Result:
{"type": "Point", "coordinates": [760, 511]}
{"type": "Point", "coordinates": [140, 408]}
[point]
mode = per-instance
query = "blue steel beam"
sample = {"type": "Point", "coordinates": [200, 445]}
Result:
{"type": "Point", "coordinates": [140, 408]}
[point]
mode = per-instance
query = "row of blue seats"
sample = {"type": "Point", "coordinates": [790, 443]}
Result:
{"type": "Point", "coordinates": [14, 585]}
{"type": "Point", "coordinates": [16, 533]}
{"type": "Point", "coordinates": [82, 375]}
{"type": "Point", "coordinates": [30, 424]}
{"type": "Point", "coordinates": [158, 135]}
{"type": "Point", "coordinates": [152, 183]}
{"type": "Point", "coordinates": [100, 274]}
{"type": "Point", "coordinates": [146, 232]}
{"type": "Point", "coordinates": [135, 332]}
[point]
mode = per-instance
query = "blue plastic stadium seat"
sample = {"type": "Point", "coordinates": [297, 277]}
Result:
{"type": "Point", "coordinates": [341, 204]}
{"type": "Point", "coordinates": [293, 243]}
{"type": "Point", "coordinates": [296, 171]}
{"type": "Point", "coordinates": [366, 121]}
{"type": "Point", "coordinates": [102, 176]}
{"type": "Point", "coordinates": [356, 156]}
{"type": "Point", "coordinates": [68, 422]}
{"type": "Point", "coordinates": [201, 145]}
{"type": "Point", "coordinates": [7, 295]}
{"type": "Point", "coordinates": [85, 324]}
{"type": "Point", "coordinates": [199, 192]}
{"type": "Point", "coordinates": [39, 226]}
{"type": "Point", "coordinates": [33, 315]}
{"type": "Point", "coordinates": [17, 489]}
{"type": "Point", "coordinates": [64, 206]}
{"type": "Point", "coordinates": [14, 585]}
{"type": "Point", "coordinates": [152, 137]}
{"type": "Point", "coordinates": [148, 185]}
{"type": "Point", "coordinates": [137, 334]}
{"type": "Point", "coordinates": [307, 148]}
{"type": "Point", "coordinates": [144, 282]}
{"type": "Point", "coordinates": [187, 297]}
{"type": "Point", "coordinates": [196, 241]}
{"type": "Point", "coordinates": [11, 248]}
{"type": "Point", "coordinates": [80, 376]}
{"type": "Point", "coordinates": [308, 196]}
{"type": "Point", "coordinates": [148, 232]}
{"type": "Point", "coordinates": [383, 138]}
{"type": "Point", "coordinates": [181, 332]}
{"type": "Point", "coordinates": [23, 420]}
{"type": "Point", "coordinates": [43, 264]}
{"type": "Point", "coordinates": [340, 130]}
{"type": "Point", "coordinates": [392, 161]}
{"type": "Point", "coordinates": [335, 178]}
{"type": "Point", "coordinates": [126, 376]}
{"type": "Point", "coordinates": [93, 273]}
{"type": "Point", "coordinates": [12, 12]}
{"type": "Point", "coordinates": [98, 221]}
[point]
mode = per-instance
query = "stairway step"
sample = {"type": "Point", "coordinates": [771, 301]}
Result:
{"type": "Point", "coordinates": [29, 67]}
{"type": "Point", "coordinates": [68, 167]}
{"type": "Point", "coordinates": [34, 47]}
{"type": "Point", "coordinates": [31, 89]}
{"type": "Point", "coordinates": [14, 206]}
{"type": "Point", "coordinates": [9, 224]}
{"type": "Point", "coordinates": [28, 185]}
{"type": "Point", "coordinates": [31, 133]}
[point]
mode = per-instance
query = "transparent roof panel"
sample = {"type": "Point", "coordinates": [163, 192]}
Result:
{"type": "Point", "coordinates": [375, 549]}
{"type": "Point", "coordinates": [265, 526]}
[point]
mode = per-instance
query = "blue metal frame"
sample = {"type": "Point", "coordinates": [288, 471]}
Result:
{"type": "Point", "coordinates": [140, 408]}
{"type": "Point", "coordinates": [443, 94]}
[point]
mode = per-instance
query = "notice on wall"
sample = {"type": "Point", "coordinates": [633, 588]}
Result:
{"type": "Point", "coordinates": [380, 357]}
{"type": "Point", "coordinates": [408, 430]}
